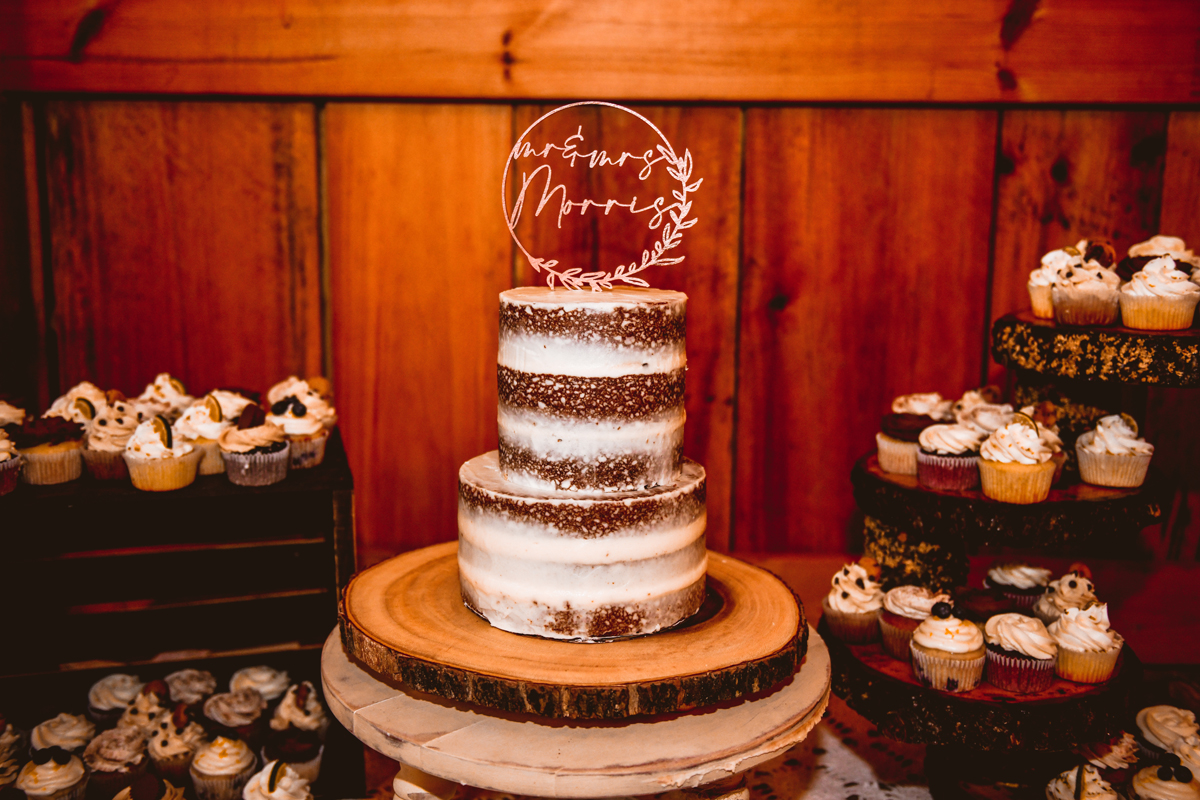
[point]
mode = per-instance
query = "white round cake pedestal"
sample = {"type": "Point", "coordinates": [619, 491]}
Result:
{"type": "Point", "coordinates": [702, 752]}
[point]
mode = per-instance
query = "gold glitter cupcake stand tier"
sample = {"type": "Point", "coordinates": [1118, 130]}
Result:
{"type": "Point", "coordinates": [404, 620]}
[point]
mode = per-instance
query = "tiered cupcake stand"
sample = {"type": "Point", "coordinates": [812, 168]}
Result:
{"type": "Point", "coordinates": [418, 677]}
{"type": "Point", "coordinates": [988, 737]}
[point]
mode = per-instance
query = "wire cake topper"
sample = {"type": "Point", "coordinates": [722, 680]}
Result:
{"type": "Point", "coordinates": [672, 217]}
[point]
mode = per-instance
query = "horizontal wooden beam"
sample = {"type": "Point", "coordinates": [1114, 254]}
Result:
{"type": "Point", "coordinates": [939, 51]}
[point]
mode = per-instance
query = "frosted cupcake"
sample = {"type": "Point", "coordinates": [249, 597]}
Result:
{"type": "Point", "coordinates": [1072, 590]}
{"type": "Point", "coordinates": [173, 743]}
{"type": "Point", "coordinates": [1042, 278]}
{"type": "Point", "coordinates": [110, 696]}
{"type": "Point", "coordinates": [1112, 758]}
{"type": "Point", "coordinates": [1167, 781]}
{"type": "Point", "coordinates": [298, 731]}
{"type": "Point", "coordinates": [1020, 653]}
{"type": "Point", "coordinates": [10, 464]}
{"type": "Point", "coordinates": [1087, 648]}
{"type": "Point", "coordinates": [852, 606]}
{"type": "Point", "coordinates": [1019, 582]}
{"type": "Point", "coordinates": [53, 774]}
{"type": "Point", "coordinates": [165, 395]}
{"type": "Point", "coordinates": [1046, 416]}
{"type": "Point", "coordinates": [201, 425]}
{"type": "Point", "coordinates": [146, 711]}
{"type": "Point", "coordinates": [1080, 783]}
{"type": "Point", "coordinates": [904, 608]}
{"type": "Point", "coordinates": [50, 450]}
{"type": "Point", "coordinates": [221, 768]}
{"type": "Point", "coordinates": [65, 731]}
{"type": "Point", "coordinates": [158, 459]}
{"type": "Point", "coordinates": [1086, 295]}
{"type": "Point", "coordinates": [898, 441]}
{"type": "Point", "coordinates": [948, 458]}
{"type": "Point", "coordinates": [114, 759]}
{"type": "Point", "coordinates": [1143, 253]}
{"type": "Point", "coordinates": [237, 715]}
{"type": "Point", "coordinates": [255, 451]}
{"type": "Point", "coordinates": [277, 781]}
{"type": "Point", "coordinates": [107, 435]}
{"type": "Point", "coordinates": [306, 418]}
{"type": "Point", "coordinates": [947, 653]}
{"type": "Point", "coordinates": [67, 407]}
{"type": "Point", "coordinates": [1113, 454]}
{"type": "Point", "coordinates": [1015, 464]}
{"type": "Point", "coordinates": [300, 709]}
{"type": "Point", "coordinates": [1161, 297]}
{"type": "Point", "coordinates": [190, 686]}
{"type": "Point", "coordinates": [268, 682]}
{"type": "Point", "coordinates": [986, 418]}
{"type": "Point", "coordinates": [1162, 728]}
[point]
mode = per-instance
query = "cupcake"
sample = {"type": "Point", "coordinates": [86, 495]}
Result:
{"type": "Point", "coordinates": [1162, 728]}
{"type": "Point", "coordinates": [1188, 751]}
{"type": "Point", "coordinates": [255, 451]}
{"type": "Point", "coordinates": [158, 459]}
{"type": "Point", "coordinates": [300, 710]}
{"type": "Point", "coordinates": [11, 416]}
{"type": "Point", "coordinates": [190, 686]}
{"type": "Point", "coordinates": [65, 731]}
{"type": "Point", "coordinates": [114, 759]}
{"type": "Point", "coordinates": [270, 683]}
{"type": "Point", "coordinates": [948, 458]}
{"type": "Point", "coordinates": [851, 608]}
{"type": "Point", "coordinates": [237, 715]}
{"type": "Point", "coordinates": [149, 787]}
{"type": "Point", "coordinates": [1168, 781]}
{"type": "Point", "coordinates": [1161, 297]}
{"type": "Point", "coordinates": [165, 396]}
{"type": "Point", "coordinates": [1046, 416]}
{"type": "Point", "coordinates": [1112, 758]}
{"type": "Point", "coordinates": [10, 464]}
{"type": "Point", "coordinates": [146, 712]}
{"type": "Point", "coordinates": [50, 450]}
{"type": "Point", "coordinates": [1087, 648]}
{"type": "Point", "coordinates": [904, 608]}
{"type": "Point", "coordinates": [948, 653]}
{"type": "Point", "coordinates": [1020, 654]}
{"type": "Point", "coordinates": [202, 424]}
{"type": "Point", "coordinates": [1080, 783]}
{"type": "Point", "coordinates": [1019, 582]}
{"type": "Point", "coordinates": [107, 435]}
{"type": "Point", "coordinates": [109, 697]}
{"type": "Point", "coordinates": [911, 414]}
{"type": "Point", "coordinates": [1072, 590]}
{"type": "Point", "coordinates": [221, 768]}
{"type": "Point", "coordinates": [173, 743]}
{"type": "Point", "coordinates": [70, 408]}
{"type": "Point", "coordinates": [53, 774]}
{"type": "Point", "coordinates": [985, 418]}
{"type": "Point", "coordinates": [306, 418]}
{"type": "Point", "coordinates": [1143, 253]}
{"type": "Point", "coordinates": [1112, 454]}
{"type": "Point", "coordinates": [1085, 295]}
{"type": "Point", "coordinates": [1042, 278]}
{"type": "Point", "coordinates": [1015, 464]}
{"type": "Point", "coordinates": [277, 781]}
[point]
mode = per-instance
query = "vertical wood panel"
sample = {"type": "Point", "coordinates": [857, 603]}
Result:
{"type": "Point", "coordinates": [184, 238]}
{"type": "Point", "coordinates": [418, 255]}
{"type": "Point", "coordinates": [20, 355]}
{"type": "Point", "coordinates": [708, 274]}
{"type": "Point", "coordinates": [865, 275]}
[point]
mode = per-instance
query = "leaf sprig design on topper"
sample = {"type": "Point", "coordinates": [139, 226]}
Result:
{"type": "Point", "coordinates": [679, 168]}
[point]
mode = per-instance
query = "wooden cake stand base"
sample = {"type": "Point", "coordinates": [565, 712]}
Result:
{"type": "Point", "coordinates": [404, 620]}
{"type": "Point", "coordinates": [522, 754]}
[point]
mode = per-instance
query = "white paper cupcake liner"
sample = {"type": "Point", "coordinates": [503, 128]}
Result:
{"type": "Point", "coordinates": [947, 674]}
{"type": "Point", "coordinates": [851, 628]}
{"type": "Point", "coordinates": [1158, 313]}
{"type": "Point", "coordinates": [1107, 469]}
{"type": "Point", "coordinates": [895, 456]}
{"type": "Point", "coordinates": [308, 452]}
{"type": "Point", "coordinates": [49, 468]}
{"type": "Point", "coordinates": [1077, 307]}
{"type": "Point", "coordinates": [1090, 667]}
{"type": "Point", "coordinates": [1041, 300]}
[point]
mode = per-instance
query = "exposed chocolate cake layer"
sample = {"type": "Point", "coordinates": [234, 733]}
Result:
{"type": "Point", "coordinates": [648, 318]}
{"type": "Point", "coordinates": [631, 397]}
{"type": "Point", "coordinates": [610, 473]}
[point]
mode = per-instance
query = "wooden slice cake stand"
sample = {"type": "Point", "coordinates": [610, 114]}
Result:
{"type": "Point", "coordinates": [404, 620]}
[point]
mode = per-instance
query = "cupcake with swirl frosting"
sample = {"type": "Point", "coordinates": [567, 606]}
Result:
{"type": "Point", "coordinates": [110, 696]}
{"type": "Point", "coordinates": [277, 781]}
{"type": "Point", "coordinates": [948, 458]}
{"type": "Point", "coordinates": [1088, 649]}
{"type": "Point", "coordinates": [221, 768]}
{"type": "Point", "coordinates": [53, 774]}
{"type": "Point", "coordinates": [1086, 294]}
{"type": "Point", "coordinates": [1169, 780]}
{"type": "Point", "coordinates": [306, 418]}
{"type": "Point", "coordinates": [202, 424]}
{"type": "Point", "coordinates": [190, 686]}
{"type": "Point", "coordinates": [237, 714]}
{"type": "Point", "coordinates": [1112, 758]}
{"type": "Point", "coordinates": [1162, 728]}
{"type": "Point", "coordinates": [1015, 465]}
{"type": "Point", "coordinates": [1083, 782]}
{"type": "Point", "coordinates": [948, 653]}
{"type": "Point", "coordinates": [146, 711]}
{"type": "Point", "coordinates": [114, 759]}
{"type": "Point", "coordinates": [1161, 297]}
{"type": "Point", "coordinates": [10, 464]}
{"type": "Point", "coordinates": [1073, 590]}
{"type": "Point", "coordinates": [10, 768]}
{"type": "Point", "coordinates": [67, 406]}
{"type": "Point", "coordinates": [1113, 454]}
{"type": "Point", "coordinates": [66, 731]}
{"type": "Point", "coordinates": [159, 460]}
{"type": "Point", "coordinates": [165, 395]}
{"type": "Point", "coordinates": [173, 743]}
{"type": "Point", "coordinates": [851, 608]}
{"type": "Point", "coordinates": [1019, 582]}
{"type": "Point", "coordinates": [270, 683]}
{"type": "Point", "coordinates": [986, 418]}
{"type": "Point", "coordinates": [255, 451]}
{"type": "Point", "coordinates": [107, 435]}
{"type": "Point", "coordinates": [1020, 654]}
{"type": "Point", "coordinates": [1042, 278]}
{"type": "Point", "coordinates": [904, 608]}
{"type": "Point", "coordinates": [897, 443]}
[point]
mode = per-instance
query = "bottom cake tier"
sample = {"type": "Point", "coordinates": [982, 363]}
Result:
{"type": "Point", "coordinates": [572, 566]}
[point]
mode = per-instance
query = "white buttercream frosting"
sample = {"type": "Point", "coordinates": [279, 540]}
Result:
{"type": "Point", "coordinates": [1114, 436]}
{"type": "Point", "coordinates": [270, 683]}
{"type": "Point", "coordinates": [1052, 262]}
{"type": "Point", "coordinates": [112, 427]}
{"type": "Point", "coordinates": [1171, 246]}
{"type": "Point", "coordinates": [68, 731]}
{"type": "Point", "coordinates": [950, 439]}
{"type": "Point", "coordinates": [145, 443]}
{"type": "Point", "coordinates": [1119, 753]}
{"type": "Point", "coordinates": [223, 756]}
{"type": "Point", "coordinates": [197, 421]}
{"type": "Point", "coordinates": [1085, 630]}
{"type": "Point", "coordinates": [1090, 277]}
{"type": "Point", "coordinates": [1146, 785]}
{"type": "Point", "coordinates": [10, 414]}
{"type": "Point", "coordinates": [852, 591]}
{"type": "Point", "coordinates": [288, 785]}
{"type": "Point", "coordinates": [7, 448]}
{"type": "Point", "coordinates": [985, 417]}
{"type": "Point", "coordinates": [950, 635]}
{"type": "Point", "coordinates": [1065, 786]}
{"type": "Point", "coordinates": [1016, 443]}
{"type": "Point", "coordinates": [928, 404]}
{"type": "Point", "coordinates": [65, 406]}
{"type": "Point", "coordinates": [913, 602]}
{"type": "Point", "coordinates": [43, 780]}
{"type": "Point", "coordinates": [1160, 278]}
{"type": "Point", "coordinates": [1020, 576]}
{"type": "Point", "coordinates": [114, 691]}
{"type": "Point", "coordinates": [1166, 726]}
{"type": "Point", "coordinates": [307, 716]}
{"type": "Point", "coordinates": [1021, 634]}
{"type": "Point", "coordinates": [317, 409]}
{"type": "Point", "coordinates": [162, 396]}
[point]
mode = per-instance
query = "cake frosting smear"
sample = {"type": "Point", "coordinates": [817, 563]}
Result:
{"type": "Point", "coordinates": [588, 523]}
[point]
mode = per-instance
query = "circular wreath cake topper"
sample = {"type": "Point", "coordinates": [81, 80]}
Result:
{"type": "Point", "coordinates": [671, 217]}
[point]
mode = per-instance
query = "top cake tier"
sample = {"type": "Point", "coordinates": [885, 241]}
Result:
{"type": "Point", "coordinates": [591, 388]}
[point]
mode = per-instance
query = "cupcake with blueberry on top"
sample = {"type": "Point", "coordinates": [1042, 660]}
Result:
{"type": "Point", "coordinates": [53, 774]}
{"type": "Point", "coordinates": [306, 417]}
{"type": "Point", "coordinates": [1087, 293]}
{"type": "Point", "coordinates": [255, 450]}
{"type": "Point", "coordinates": [1020, 654]}
{"type": "Point", "coordinates": [851, 609]}
{"type": "Point", "coordinates": [158, 458]}
{"type": "Point", "coordinates": [1088, 649]}
{"type": "Point", "coordinates": [1073, 590]}
{"type": "Point", "coordinates": [107, 435]}
{"type": "Point", "coordinates": [1083, 782]}
{"type": "Point", "coordinates": [904, 608]}
{"type": "Point", "coordinates": [50, 450]}
{"type": "Point", "coordinates": [1019, 582]}
{"type": "Point", "coordinates": [1113, 454]}
{"type": "Point", "coordinates": [948, 653]}
{"type": "Point", "coordinates": [898, 441]}
{"type": "Point", "coordinates": [1169, 780]}
{"type": "Point", "coordinates": [1015, 464]}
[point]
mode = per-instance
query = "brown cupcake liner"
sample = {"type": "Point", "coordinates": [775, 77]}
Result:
{"type": "Point", "coordinates": [49, 468]}
{"type": "Point", "coordinates": [308, 770]}
{"type": "Point", "coordinates": [106, 465]}
{"type": "Point", "coordinates": [163, 474]}
{"type": "Point", "coordinates": [946, 674]}
{"type": "Point", "coordinates": [307, 451]}
{"type": "Point", "coordinates": [1019, 675]}
{"type": "Point", "coordinates": [174, 769]}
{"type": "Point", "coordinates": [1158, 313]}
{"type": "Point", "coordinates": [895, 456]}
{"type": "Point", "coordinates": [851, 628]}
{"type": "Point", "coordinates": [895, 639]}
{"type": "Point", "coordinates": [947, 473]}
{"type": "Point", "coordinates": [1075, 307]}
{"type": "Point", "coordinates": [10, 471]}
{"type": "Point", "coordinates": [257, 469]}
{"type": "Point", "coordinates": [105, 785]}
{"type": "Point", "coordinates": [1090, 667]}
{"type": "Point", "coordinates": [1020, 484]}
{"type": "Point", "coordinates": [1107, 469]}
{"type": "Point", "coordinates": [1025, 601]}
{"type": "Point", "coordinates": [1040, 297]}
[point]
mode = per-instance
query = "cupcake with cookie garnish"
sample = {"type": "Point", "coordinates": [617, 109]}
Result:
{"type": "Point", "coordinates": [1020, 653]}
{"type": "Point", "coordinates": [67, 731]}
{"type": "Point", "coordinates": [1019, 582]}
{"type": "Point", "coordinates": [69, 408]}
{"type": "Point", "coordinates": [1015, 464]}
{"type": "Point", "coordinates": [306, 418]}
{"type": "Point", "coordinates": [173, 743]}
{"type": "Point", "coordinates": [114, 759]}
{"type": "Point", "coordinates": [158, 458]}
{"type": "Point", "coordinates": [165, 395]}
{"type": "Point", "coordinates": [904, 608]}
{"type": "Point", "coordinates": [948, 653]}
{"type": "Point", "coordinates": [1088, 649]}
{"type": "Point", "coordinates": [298, 731]}
{"type": "Point", "coordinates": [1169, 780]}
{"type": "Point", "coordinates": [255, 450]}
{"type": "Point", "coordinates": [851, 608]}
{"type": "Point", "coordinates": [53, 774]}
{"type": "Point", "coordinates": [1161, 729]}
{"type": "Point", "coordinates": [948, 457]}
{"type": "Point", "coordinates": [202, 424]}
{"type": "Point", "coordinates": [1072, 590]}
{"type": "Point", "coordinates": [1113, 454]}
{"type": "Point", "coordinates": [278, 780]}
{"type": "Point", "coordinates": [237, 715]}
{"type": "Point", "coordinates": [50, 450]}
{"type": "Point", "coordinates": [897, 442]}
{"type": "Point", "coordinates": [110, 696]}
{"type": "Point", "coordinates": [108, 433]}
{"type": "Point", "coordinates": [1087, 293]}
{"type": "Point", "coordinates": [1161, 297]}
{"type": "Point", "coordinates": [10, 464]}
{"type": "Point", "coordinates": [221, 768]}
{"type": "Point", "coordinates": [1083, 782]}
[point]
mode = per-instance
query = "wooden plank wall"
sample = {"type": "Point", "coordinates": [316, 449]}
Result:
{"type": "Point", "coordinates": [843, 255]}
